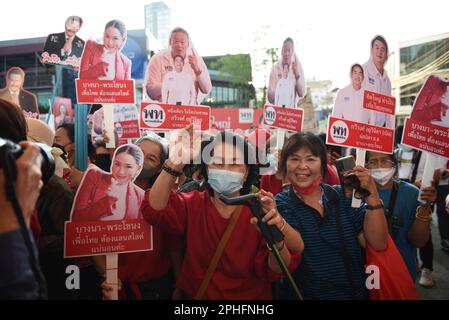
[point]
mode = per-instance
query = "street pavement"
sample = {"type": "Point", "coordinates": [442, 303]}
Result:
{"type": "Point", "coordinates": [440, 270]}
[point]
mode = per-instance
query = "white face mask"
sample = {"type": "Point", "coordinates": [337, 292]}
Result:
{"type": "Point", "coordinates": [382, 176]}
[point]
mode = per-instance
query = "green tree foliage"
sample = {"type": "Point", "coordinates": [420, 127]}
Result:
{"type": "Point", "coordinates": [236, 68]}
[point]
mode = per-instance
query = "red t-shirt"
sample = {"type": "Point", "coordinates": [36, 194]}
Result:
{"type": "Point", "coordinates": [242, 272]}
{"type": "Point", "coordinates": [271, 184]}
{"type": "Point", "coordinates": [147, 265]}
{"type": "Point", "coordinates": [331, 178]}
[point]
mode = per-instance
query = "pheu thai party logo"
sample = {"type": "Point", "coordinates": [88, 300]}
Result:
{"type": "Point", "coordinates": [270, 115]}
{"type": "Point", "coordinates": [339, 131]}
{"type": "Point", "coordinates": [153, 115]}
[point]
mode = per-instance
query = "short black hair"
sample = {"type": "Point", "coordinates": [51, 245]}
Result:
{"type": "Point", "coordinates": [329, 147]}
{"type": "Point", "coordinates": [249, 158]}
{"type": "Point", "coordinates": [357, 65]}
{"type": "Point", "coordinates": [298, 141]}
{"type": "Point", "coordinates": [13, 125]}
{"type": "Point", "coordinates": [381, 39]}
{"type": "Point", "coordinates": [70, 129]}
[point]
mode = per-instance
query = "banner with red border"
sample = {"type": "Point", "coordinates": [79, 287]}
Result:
{"type": "Point", "coordinates": [352, 134]}
{"type": "Point", "coordinates": [379, 102]}
{"type": "Point", "coordinates": [283, 118]}
{"type": "Point", "coordinates": [105, 91]}
{"type": "Point", "coordinates": [107, 237]}
{"type": "Point", "coordinates": [426, 136]}
{"type": "Point", "coordinates": [160, 117]}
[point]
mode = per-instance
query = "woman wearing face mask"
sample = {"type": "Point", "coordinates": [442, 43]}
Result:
{"type": "Point", "coordinates": [408, 219]}
{"type": "Point", "coordinates": [246, 268]}
{"type": "Point", "coordinates": [332, 265]}
{"type": "Point", "coordinates": [106, 61]}
{"type": "Point", "coordinates": [111, 196]}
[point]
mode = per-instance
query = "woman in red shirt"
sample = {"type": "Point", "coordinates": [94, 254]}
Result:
{"type": "Point", "coordinates": [246, 267]}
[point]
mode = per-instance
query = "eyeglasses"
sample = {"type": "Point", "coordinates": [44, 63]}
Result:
{"type": "Point", "coordinates": [376, 163]}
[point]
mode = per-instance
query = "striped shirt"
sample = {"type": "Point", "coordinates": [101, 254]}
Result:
{"type": "Point", "coordinates": [321, 273]}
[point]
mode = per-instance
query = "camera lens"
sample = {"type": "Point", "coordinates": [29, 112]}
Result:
{"type": "Point", "coordinates": [48, 162]}
{"type": "Point", "coordinates": [361, 193]}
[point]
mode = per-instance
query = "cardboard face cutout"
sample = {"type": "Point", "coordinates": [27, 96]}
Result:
{"type": "Point", "coordinates": [178, 75]}
{"type": "Point", "coordinates": [15, 93]}
{"type": "Point", "coordinates": [65, 48]}
{"type": "Point", "coordinates": [286, 83]}
{"type": "Point", "coordinates": [349, 101]}
{"type": "Point", "coordinates": [427, 129]}
{"type": "Point", "coordinates": [106, 209]}
{"type": "Point", "coordinates": [105, 72]}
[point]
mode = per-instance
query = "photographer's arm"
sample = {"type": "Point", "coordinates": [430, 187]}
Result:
{"type": "Point", "coordinates": [28, 186]}
{"type": "Point", "coordinates": [16, 277]}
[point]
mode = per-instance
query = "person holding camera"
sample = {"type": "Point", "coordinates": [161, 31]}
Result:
{"type": "Point", "coordinates": [332, 265]}
{"type": "Point", "coordinates": [408, 218]}
{"type": "Point", "coordinates": [20, 275]}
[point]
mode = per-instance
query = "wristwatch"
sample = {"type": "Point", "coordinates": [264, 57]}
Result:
{"type": "Point", "coordinates": [379, 206]}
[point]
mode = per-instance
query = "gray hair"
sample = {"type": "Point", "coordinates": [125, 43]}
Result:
{"type": "Point", "coordinates": [74, 19]}
{"type": "Point", "coordinates": [178, 29]}
{"type": "Point", "coordinates": [153, 137]}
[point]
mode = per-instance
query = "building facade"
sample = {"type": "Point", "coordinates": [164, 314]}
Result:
{"type": "Point", "coordinates": [158, 21]}
{"type": "Point", "coordinates": [413, 62]}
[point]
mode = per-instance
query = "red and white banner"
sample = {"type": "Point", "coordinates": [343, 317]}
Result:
{"type": "Point", "coordinates": [156, 116]}
{"type": "Point", "coordinates": [426, 137]}
{"type": "Point", "coordinates": [347, 133]}
{"type": "Point", "coordinates": [427, 129]}
{"type": "Point", "coordinates": [126, 122]}
{"type": "Point", "coordinates": [379, 102]}
{"type": "Point", "coordinates": [283, 118]}
{"type": "Point", "coordinates": [105, 91]}
{"type": "Point", "coordinates": [235, 118]}
{"type": "Point", "coordinates": [105, 216]}
{"type": "Point", "coordinates": [107, 237]}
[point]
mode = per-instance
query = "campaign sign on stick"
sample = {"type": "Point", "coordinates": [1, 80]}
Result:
{"type": "Point", "coordinates": [427, 129]}
{"type": "Point", "coordinates": [235, 118]}
{"type": "Point", "coordinates": [105, 216]}
{"type": "Point", "coordinates": [347, 133]}
{"type": "Point", "coordinates": [379, 102]}
{"type": "Point", "coordinates": [105, 91]}
{"type": "Point", "coordinates": [283, 118]}
{"type": "Point", "coordinates": [427, 137]}
{"type": "Point", "coordinates": [126, 122]}
{"type": "Point", "coordinates": [160, 117]}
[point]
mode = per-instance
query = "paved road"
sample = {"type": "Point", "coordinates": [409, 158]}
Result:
{"type": "Point", "coordinates": [441, 270]}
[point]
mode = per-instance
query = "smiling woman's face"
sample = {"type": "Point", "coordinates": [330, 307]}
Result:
{"type": "Point", "coordinates": [124, 168]}
{"type": "Point", "coordinates": [303, 167]}
{"type": "Point", "coordinates": [113, 39]}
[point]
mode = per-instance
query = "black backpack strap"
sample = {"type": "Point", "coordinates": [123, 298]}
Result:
{"type": "Point", "coordinates": [415, 168]}
{"type": "Point", "coordinates": [333, 195]}
{"type": "Point", "coordinates": [390, 212]}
